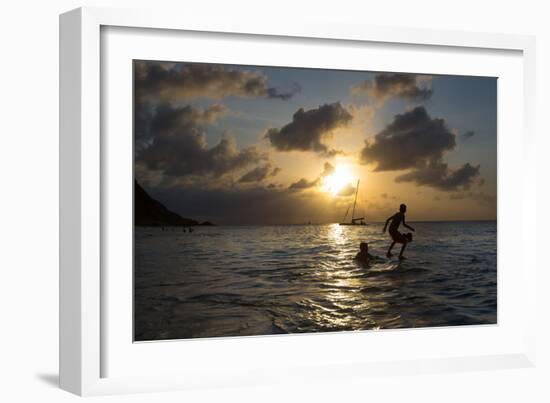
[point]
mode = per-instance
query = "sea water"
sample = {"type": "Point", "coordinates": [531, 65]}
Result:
{"type": "Point", "coordinates": [258, 280]}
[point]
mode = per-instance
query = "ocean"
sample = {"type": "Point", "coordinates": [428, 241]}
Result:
{"type": "Point", "coordinates": [258, 280]}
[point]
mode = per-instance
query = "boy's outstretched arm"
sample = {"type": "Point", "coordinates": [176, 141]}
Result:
{"type": "Point", "coordinates": [386, 224]}
{"type": "Point", "coordinates": [408, 226]}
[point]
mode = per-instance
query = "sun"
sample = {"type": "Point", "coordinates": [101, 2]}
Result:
{"type": "Point", "coordinates": [338, 180]}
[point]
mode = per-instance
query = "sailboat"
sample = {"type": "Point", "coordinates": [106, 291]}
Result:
{"type": "Point", "coordinates": [354, 221]}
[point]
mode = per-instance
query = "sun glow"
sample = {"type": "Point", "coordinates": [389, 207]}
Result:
{"type": "Point", "coordinates": [338, 180]}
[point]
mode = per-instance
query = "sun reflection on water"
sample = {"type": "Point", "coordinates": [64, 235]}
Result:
{"type": "Point", "coordinates": [341, 303]}
{"type": "Point", "coordinates": [336, 234]}
{"type": "Point", "coordinates": [229, 281]}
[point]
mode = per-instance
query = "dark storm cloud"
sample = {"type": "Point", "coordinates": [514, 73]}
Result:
{"type": "Point", "coordinates": [385, 86]}
{"type": "Point", "coordinates": [259, 173]}
{"type": "Point", "coordinates": [168, 118]}
{"type": "Point", "coordinates": [151, 120]}
{"type": "Point", "coordinates": [410, 140]}
{"type": "Point", "coordinates": [309, 129]}
{"type": "Point", "coordinates": [178, 147]}
{"type": "Point", "coordinates": [439, 176]}
{"type": "Point", "coordinates": [418, 142]}
{"type": "Point", "coordinates": [171, 81]}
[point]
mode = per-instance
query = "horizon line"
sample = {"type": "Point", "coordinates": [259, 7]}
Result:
{"type": "Point", "coordinates": [321, 223]}
{"type": "Point", "coordinates": [367, 222]}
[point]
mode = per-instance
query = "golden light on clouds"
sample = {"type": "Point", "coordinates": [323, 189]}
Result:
{"type": "Point", "coordinates": [303, 138]}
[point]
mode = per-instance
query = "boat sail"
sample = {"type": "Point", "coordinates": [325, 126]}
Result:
{"type": "Point", "coordinates": [354, 221]}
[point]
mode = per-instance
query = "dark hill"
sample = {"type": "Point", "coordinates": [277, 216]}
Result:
{"type": "Point", "coordinates": [150, 212]}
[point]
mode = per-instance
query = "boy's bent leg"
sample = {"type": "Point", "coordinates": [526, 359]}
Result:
{"type": "Point", "coordinates": [389, 250]}
{"type": "Point", "coordinates": [402, 250]}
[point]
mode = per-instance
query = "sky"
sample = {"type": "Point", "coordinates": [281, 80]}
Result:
{"type": "Point", "coordinates": [247, 145]}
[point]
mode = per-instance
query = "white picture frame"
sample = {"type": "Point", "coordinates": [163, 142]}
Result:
{"type": "Point", "coordinates": [85, 342]}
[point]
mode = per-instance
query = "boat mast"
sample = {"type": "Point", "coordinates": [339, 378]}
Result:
{"type": "Point", "coordinates": [346, 215]}
{"type": "Point", "coordinates": [355, 201]}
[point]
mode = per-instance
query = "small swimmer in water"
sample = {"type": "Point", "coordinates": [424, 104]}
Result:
{"type": "Point", "coordinates": [363, 256]}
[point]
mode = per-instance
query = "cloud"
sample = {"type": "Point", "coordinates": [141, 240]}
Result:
{"type": "Point", "coordinates": [259, 173]}
{"type": "Point", "coordinates": [303, 184]}
{"type": "Point", "coordinates": [328, 169]}
{"type": "Point", "coordinates": [467, 135]}
{"type": "Point", "coordinates": [151, 120]}
{"type": "Point", "coordinates": [439, 176]}
{"type": "Point", "coordinates": [388, 85]}
{"type": "Point", "coordinates": [172, 81]}
{"type": "Point", "coordinates": [177, 145]}
{"type": "Point", "coordinates": [417, 142]}
{"type": "Point", "coordinates": [168, 118]}
{"type": "Point", "coordinates": [310, 129]}
{"type": "Point", "coordinates": [143, 115]}
{"type": "Point", "coordinates": [410, 140]}
{"type": "Point", "coordinates": [284, 95]}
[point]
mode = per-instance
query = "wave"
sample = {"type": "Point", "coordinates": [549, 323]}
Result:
{"type": "Point", "coordinates": [230, 281]}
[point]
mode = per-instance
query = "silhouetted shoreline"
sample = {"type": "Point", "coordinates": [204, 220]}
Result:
{"type": "Point", "coordinates": [149, 212]}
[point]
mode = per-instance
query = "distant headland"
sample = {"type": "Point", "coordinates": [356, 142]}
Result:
{"type": "Point", "coordinates": [149, 212]}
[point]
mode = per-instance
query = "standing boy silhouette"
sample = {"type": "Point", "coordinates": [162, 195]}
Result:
{"type": "Point", "coordinates": [398, 237]}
